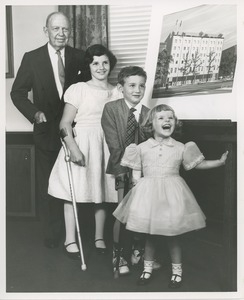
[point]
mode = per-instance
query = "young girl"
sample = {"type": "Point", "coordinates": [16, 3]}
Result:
{"type": "Point", "coordinates": [161, 203]}
{"type": "Point", "coordinates": [84, 102]}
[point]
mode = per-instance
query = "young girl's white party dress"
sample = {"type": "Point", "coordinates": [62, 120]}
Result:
{"type": "Point", "coordinates": [161, 202]}
{"type": "Point", "coordinates": [91, 183]}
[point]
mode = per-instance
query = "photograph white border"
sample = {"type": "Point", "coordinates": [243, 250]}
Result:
{"type": "Point", "coordinates": [154, 38]}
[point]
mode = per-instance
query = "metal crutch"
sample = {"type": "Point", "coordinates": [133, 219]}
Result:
{"type": "Point", "coordinates": [72, 194]}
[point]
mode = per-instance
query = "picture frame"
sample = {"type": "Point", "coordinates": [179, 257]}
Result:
{"type": "Point", "coordinates": [197, 57]}
{"type": "Point", "coordinates": [9, 58]}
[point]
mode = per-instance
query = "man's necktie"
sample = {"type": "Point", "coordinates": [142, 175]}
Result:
{"type": "Point", "coordinates": [61, 72]}
{"type": "Point", "coordinates": [131, 128]}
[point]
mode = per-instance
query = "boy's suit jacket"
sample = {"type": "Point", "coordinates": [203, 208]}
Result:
{"type": "Point", "coordinates": [36, 74]}
{"type": "Point", "coordinates": [114, 124]}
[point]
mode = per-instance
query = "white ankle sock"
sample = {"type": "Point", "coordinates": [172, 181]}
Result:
{"type": "Point", "coordinates": [148, 267]}
{"type": "Point", "coordinates": [176, 270]}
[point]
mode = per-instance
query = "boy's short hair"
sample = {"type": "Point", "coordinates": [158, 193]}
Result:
{"type": "Point", "coordinates": [130, 71]}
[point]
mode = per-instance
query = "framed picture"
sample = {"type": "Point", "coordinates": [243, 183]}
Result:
{"type": "Point", "coordinates": [197, 52]}
{"type": "Point", "coordinates": [9, 63]}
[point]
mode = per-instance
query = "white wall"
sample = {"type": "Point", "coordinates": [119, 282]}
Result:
{"type": "Point", "coordinates": [28, 22]}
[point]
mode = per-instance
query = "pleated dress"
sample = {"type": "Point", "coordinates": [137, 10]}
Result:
{"type": "Point", "coordinates": [91, 183]}
{"type": "Point", "coordinates": [161, 203]}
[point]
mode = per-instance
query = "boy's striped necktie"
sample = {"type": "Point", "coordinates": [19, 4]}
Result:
{"type": "Point", "coordinates": [131, 128]}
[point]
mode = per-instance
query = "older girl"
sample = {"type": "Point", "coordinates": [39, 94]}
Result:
{"type": "Point", "coordinates": [84, 102]}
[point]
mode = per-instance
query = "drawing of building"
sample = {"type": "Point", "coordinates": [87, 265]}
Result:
{"type": "Point", "coordinates": [195, 57]}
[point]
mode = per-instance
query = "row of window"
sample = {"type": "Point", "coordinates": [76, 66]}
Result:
{"type": "Point", "coordinates": [200, 55]}
{"type": "Point", "coordinates": [198, 41]}
{"type": "Point", "coordinates": [198, 48]}
{"type": "Point", "coordinates": [184, 55]}
{"type": "Point", "coordinates": [191, 69]}
{"type": "Point", "coordinates": [216, 61]}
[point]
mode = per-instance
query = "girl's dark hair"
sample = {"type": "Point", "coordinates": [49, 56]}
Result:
{"type": "Point", "coordinates": [130, 71]}
{"type": "Point", "coordinates": [98, 50]}
{"type": "Point", "coordinates": [147, 125]}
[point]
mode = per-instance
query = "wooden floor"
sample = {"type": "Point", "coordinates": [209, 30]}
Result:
{"type": "Point", "coordinates": [33, 268]}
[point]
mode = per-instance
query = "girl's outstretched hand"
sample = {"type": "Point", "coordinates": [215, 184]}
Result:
{"type": "Point", "coordinates": [223, 157]}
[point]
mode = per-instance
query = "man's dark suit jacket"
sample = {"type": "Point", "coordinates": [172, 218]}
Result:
{"type": "Point", "coordinates": [114, 124]}
{"type": "Point", "coordinates": [36, 74]}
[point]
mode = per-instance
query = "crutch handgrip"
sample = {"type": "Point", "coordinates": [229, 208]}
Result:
{"type": "Point", "coordinates": [67, 158]}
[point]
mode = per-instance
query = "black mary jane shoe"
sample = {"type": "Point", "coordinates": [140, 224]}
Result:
{"type": "Point", "coordinates": [173, 284]}
{"type": "Point", "coordinates": [99, 249]}
{"type": "Point", "coordinates": [71, 255]}
{"type": "Point", "coordinates": [143, 280]}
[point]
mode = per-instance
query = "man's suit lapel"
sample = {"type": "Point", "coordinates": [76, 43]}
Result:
{"type": "Point", "coordinates": [144, 111]}
{"type": "Point", "coordinates": [68, 64]}
{"type": "Point", "coordinates": [123, 113]}
{"type": "Point", "coordinates": [72, 66]}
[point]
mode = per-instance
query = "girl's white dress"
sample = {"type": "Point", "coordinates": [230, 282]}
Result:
{"type": "Point", "coordinates": [91, 183]}
{"type": "Point", "coordinates": [161, 202]}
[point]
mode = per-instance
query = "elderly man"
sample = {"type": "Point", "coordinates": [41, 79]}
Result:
{"type": "Point", "coordinates": [48, 71]}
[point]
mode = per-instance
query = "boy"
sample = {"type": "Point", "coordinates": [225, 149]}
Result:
{"type": "Point", "coordinates": [122, 127]}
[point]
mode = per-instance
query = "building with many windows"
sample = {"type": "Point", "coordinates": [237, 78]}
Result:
{"type": "Point", "coordinates": [195, 57]}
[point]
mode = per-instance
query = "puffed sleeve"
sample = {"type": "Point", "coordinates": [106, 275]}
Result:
{"type": "Point", "coordinates": [116, 94]}
{"type": "Point", "coordinates": [132, 157]}
{"type": "Point", "coordinates": [192, 156]}
{"type": "Point", "coordinates": [74, 94]}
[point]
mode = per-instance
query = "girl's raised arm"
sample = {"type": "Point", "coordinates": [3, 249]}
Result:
{"type": "Point", "coordinates": [210, 164]}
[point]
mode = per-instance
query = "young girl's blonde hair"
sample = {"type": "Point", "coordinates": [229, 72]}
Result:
{"type": "Point", "coordinates": [147, 125]}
